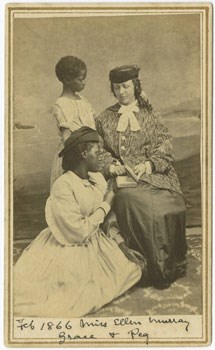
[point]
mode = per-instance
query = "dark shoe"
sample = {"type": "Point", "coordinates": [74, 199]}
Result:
{"type": "Point", "coordinates": [145, 280]}
{"type": "Point", "coordinates": [162, 285]}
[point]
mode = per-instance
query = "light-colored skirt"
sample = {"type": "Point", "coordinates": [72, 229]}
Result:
{"type": "Point", "coordinates": [53, 280]}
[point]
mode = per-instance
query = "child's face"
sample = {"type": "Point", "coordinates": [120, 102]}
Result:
{"type": "Point", "coordinates": [77, 84]}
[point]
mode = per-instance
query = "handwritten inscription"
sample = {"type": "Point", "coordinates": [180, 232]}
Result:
{"type": "Point", "coordinates": [136, 333]}
{"type": "Point", "coordinates": [130, 328]}
{"type": "Point", "coordinates": [125, 321]}
{"type": "Point", "coordinates": [170, 321]}
{"type": "Point", "coordinates": [64, 337]}
{"type": "Point", "coordinates": [95, 323]}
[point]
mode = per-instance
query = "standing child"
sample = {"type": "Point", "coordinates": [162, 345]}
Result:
{"type": "Point", "coordinates": [71, 110]}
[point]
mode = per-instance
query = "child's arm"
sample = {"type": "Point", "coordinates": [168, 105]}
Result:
{"type": "Point", "coordinates": [65, 133]}
{"type": "Point", "coordinates": [62, 123]}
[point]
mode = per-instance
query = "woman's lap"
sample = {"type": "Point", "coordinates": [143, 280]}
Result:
{"type": "Point", "coordinates": [152, 221]}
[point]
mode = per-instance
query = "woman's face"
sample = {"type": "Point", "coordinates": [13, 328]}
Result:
{"type": "Point", "coordinates": [77, 84]}
{"type": "Point", "coordinates": [124, 92]}
{"type": "Point", "coordinates": [92, 158]}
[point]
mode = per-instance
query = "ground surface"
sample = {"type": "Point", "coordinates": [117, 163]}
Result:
{"type": "Point", "coordinates": [183, 297]}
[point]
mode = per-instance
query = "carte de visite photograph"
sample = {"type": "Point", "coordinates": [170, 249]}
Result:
{"type": "Point", "coordinates": [108, 158]}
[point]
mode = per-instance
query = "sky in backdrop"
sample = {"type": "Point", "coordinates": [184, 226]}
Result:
{"type": "Point", "coordinates": [165, 47]}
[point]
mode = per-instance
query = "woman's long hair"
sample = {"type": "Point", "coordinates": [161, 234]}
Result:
{"type": "Point", "coordinates": [142, 102]}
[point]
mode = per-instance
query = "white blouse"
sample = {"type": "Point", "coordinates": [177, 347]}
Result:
{"type": "Point", "coordinates": [75, 209]}
{"type": "Point", "coordinates": [73, 113]}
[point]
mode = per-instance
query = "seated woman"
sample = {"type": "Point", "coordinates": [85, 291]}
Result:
{"type": "Point", "coordinates": [72, 268]}
{"type": "Point", "coordinates": [151, 216]}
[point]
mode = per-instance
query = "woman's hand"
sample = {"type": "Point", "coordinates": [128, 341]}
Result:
{"type": "Point", "coordinates": [140, 170]}
{"type": "Point", "coordinates": [118, 170]}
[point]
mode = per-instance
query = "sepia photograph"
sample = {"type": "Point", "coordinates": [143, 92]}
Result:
{"type": "Point", "coordinates": [108, 174]}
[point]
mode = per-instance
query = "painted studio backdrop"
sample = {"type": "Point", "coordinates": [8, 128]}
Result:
{"type": "Point", "coordinates": [167, 48]}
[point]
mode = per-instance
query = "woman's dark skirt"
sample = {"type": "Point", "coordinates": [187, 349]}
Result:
{"type": "Point", "coordinates": [152, 221]}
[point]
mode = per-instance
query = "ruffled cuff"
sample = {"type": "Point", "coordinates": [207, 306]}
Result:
{"type": "Point", "coordinates": [149, 167]}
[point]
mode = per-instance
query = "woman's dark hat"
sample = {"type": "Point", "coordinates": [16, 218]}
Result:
{"type": "Point", "coordinates": [123, 73]}
{"type": "Point", "coordinates": [84, 134]}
